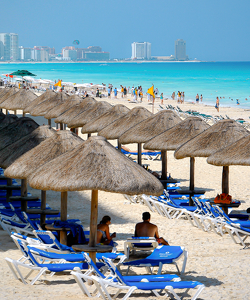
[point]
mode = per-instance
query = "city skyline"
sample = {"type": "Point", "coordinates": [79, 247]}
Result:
{"type": "Point", "coordinates": [215, 30]}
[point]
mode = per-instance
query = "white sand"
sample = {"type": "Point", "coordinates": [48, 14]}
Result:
{"type": "Point", "coordinates": [213, 260]}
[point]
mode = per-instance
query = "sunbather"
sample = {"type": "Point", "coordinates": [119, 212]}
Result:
{"type": "Point", "coordinates": [147, 229]}
{"type": "Point", "coordinates": [103, 235]}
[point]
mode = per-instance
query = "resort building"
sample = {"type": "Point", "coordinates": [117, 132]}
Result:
{"type": "Point", "coordinates": [141, 50]}
{"type": "Point", "coordinates": [9, 49]}
{"type": "Point", "coordinates": [180, 50]}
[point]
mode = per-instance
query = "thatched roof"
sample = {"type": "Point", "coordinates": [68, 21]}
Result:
{"type": "Point", "coordinates": [118, 127]}
{"type": "Point", "coordinates": [16, 130]}
{"type": "Point", "coordinates": [11, 153]}
{"type": "Point", "coordinates": [61, 142]}
{"type": "Point", "coordinates": [61, 108]}
{"type": "Point", "coordinates": [74, 111]}
{"type": "Point", "coordinates": [217, 137]}
{"type": "Point", "coordinates": [97, 124]}
{"type": "Point", "coordinates": [3, 91]}
{"type": "Point", "coordinates": [42, 108]}
{"type": "Point", "coordinates": [97, 110]}
{"type": "Point", "coordinates": [10, 92]}
{"type": "Point", "coordinates": [7, 119]}
{"type": "Point", "coordinates": [18, 100]}
{"type": "Point", "coordinates": [176, 136]}
{"type": "Point", "coordinates": [95, 165]}
{"type": "Point", "coordinates": [237, 153]}
{"type": "Point", "coordinates": [45, 96]}
{"type": "Point", "coordinates": [150, 127]}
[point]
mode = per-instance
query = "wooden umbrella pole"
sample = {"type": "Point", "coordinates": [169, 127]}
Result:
{"type": "Point", "coordinates": [93, 223]}
{"type": "Point", "coordinates": [191, 185]}
{"type": "Point", "coordinates": [49, 122]}
{"type": "Point", "coordinates": [63, 233]}
{"type": "Point", "coordinates": [24, 194]}
{"type": "Point", "coordinates": [43, 206]}
{"type": "Point", "coordinates": [139, 154]}
{"type": "Point", "coordinates": [14, 112]}
{"type": "Point", "coordinates": [225, 180]}
{"type": "Point", "coordinates": [164, 164]}
{"type": "Point", "coordinates": [119, 145]}
{"type": "Point", "coordinates": [61, 126]}
{"type": "Point", "coordinates": [6, 111]}
{"type": "Point", "coordinates": [23, 114]}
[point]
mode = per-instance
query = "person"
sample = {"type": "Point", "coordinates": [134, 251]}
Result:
{"type": "Point", "coordinates": [97, 93]}
{"type": "Point", "coordinates": [122, 91]}
{"type": "Point", "coordinates": [197, 98]}
{"type": "Point", "coordinates": [161, 97]}
{"type": "Point", "coordinates": [115, 92]}
{"type": "Point", "coordinates": [109, 91]}
{"type": "Point", "coordinates": [125, 92]}
{"type": "Point", "coordinates": [217, 103]}
{"type": "Point", "coordinates": [147, 229]}
{"type": "Point", "coordinates": [178, 97]}
{"type": "Point", "coordinates": [173, 95]}
{"type": "Point", "coordinates": [201, 97]}
{"type": "Point", "coordinates": [103, 235]}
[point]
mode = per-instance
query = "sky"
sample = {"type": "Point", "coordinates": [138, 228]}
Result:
{"type": "Point", "coordinates": [214, 30]}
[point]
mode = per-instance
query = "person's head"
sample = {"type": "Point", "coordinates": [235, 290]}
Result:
{"type": "Point", "coordinates": [146, 216]}
{"type": "Point", "coordinates": [106, 220]}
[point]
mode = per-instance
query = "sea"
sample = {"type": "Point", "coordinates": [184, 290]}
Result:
{"type": "Point", "coordinates": [230, 81]}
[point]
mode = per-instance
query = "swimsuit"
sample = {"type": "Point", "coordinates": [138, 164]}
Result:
{"type": "Point", "coordinates": [104, 237]}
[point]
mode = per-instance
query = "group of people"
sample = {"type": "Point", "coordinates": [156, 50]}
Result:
{"type": "Point", "coordinates": [180, 96]}
{"type": "Point", "coordinates": [198, 98]}
{"type": "Point", "coordinates": [142, 229]}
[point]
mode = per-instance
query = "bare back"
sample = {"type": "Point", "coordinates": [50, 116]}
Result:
{"type": "Point", "coordinates": [146, 229]}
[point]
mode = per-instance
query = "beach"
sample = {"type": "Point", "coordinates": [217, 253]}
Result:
{"type": "Point", "coordinates": [217, 262]}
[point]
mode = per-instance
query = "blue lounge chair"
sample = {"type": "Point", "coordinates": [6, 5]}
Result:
{"type": "Point", "coordinates": [160, 256]}
{"type": "Point", "coordinates": [139, 243]}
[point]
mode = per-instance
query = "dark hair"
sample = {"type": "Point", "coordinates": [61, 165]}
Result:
{"type": "Point", "coordinates": [105, 220]}
{"type": "Point", "coordinates": [145, 216]}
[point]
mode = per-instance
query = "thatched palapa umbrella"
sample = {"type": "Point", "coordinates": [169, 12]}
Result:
{"type": "Point", "coordinates": [97, 124]}
{"type": "Point", "coordinates": [19, 100]}
{"type": "Point", "coordinates": [3, 92]}
{"type": "Point", "coordinates": [42, 108]}
{"type": "Point", "coordinates": [45, 96]}
{"type": "Point", "coordinates": [75, 110]}
{"type": "Point", "coordinates": [61, 142]}
{"type": "Point", "coordinates": [61, 108]}
{"type": "Point", "coordinates": [177, 136]}
{"type": "Point", "coordinates": [118, 127]}
{"type": "Point", "coordinates": [10, 92]}
{"type": "Point", "coordinates": [217, 137]}
{"type": "Point", "coordinates": [148, 129]}
{"type": "Point", "coordinates": [95, 165]}
{"type": "Point", "coordinates": [97, 110]}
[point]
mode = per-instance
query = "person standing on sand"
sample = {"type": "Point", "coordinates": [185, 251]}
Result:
{"type": "Point", "coordinates": [217, 104]}
{"type": "Point", "coordinates": [201, 97]}
{"type": "Point", "coordinates": [147, 229]}
{"type": "Point", "coordinates": [197, 98]}
{"type": "Point", "coordinates": [115, 92]}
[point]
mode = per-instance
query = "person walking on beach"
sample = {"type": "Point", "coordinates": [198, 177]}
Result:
{"type": "Point", "coordinates": [201, 97]}
{"type": "Point", "coordinates": [173, 95]}
{"type": "Point", "coordinates": [109, 92]}
{"type": "Point", "coordinates": [217, 104]}
{"type": "Point", "coordinates": [161, 97]}
{"type": "Point", "coordinates": [122, 91]}
{"type": "Point", "coordinates": [125, 92]}
{"type": "Point", "coordinates": [115, 92]}
{"type": "Point", "coordinates": [197, 98]}
{"type": "Point", "coordinates": [147, 229]}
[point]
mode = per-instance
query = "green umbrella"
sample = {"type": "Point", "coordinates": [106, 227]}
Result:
{"type": "Point", "coordinates": [22, 73]}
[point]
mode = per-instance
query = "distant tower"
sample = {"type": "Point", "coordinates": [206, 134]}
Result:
{"type": "Point", "coordinates": [5, 45]}
{"type": "Point", "coordinates": [180, 50]}
{"type": "Point", "coordinates": [14, 46]}
{"type": "Point", "coordinates": [141, 50]}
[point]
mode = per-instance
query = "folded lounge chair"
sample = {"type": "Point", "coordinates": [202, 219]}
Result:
{"type": "Point", "coordinates": [139, 243]}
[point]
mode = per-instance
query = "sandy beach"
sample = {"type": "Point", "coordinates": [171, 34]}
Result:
{"type": "Point", "coordinates": [217, 262]}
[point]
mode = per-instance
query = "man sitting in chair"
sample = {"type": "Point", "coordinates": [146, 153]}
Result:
{"type": "Point", "coordinates": [147, 229]}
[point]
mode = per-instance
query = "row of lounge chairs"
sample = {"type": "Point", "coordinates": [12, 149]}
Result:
{"type": "Point", "coordinates": [203, 215]}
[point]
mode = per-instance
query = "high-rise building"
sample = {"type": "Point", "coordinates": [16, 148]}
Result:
{"type": "Point", "coordinates": [14, 46]}
{"type": "Point", "coordinates": [141, 50]}
{"type": "Point", "coordinates": [180, 50]}
{"type": "Point", "coordinates": [25, 53]}
{"type": "Point", "coordinates": [5, 42]}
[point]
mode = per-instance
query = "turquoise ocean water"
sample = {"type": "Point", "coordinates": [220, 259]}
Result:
{"type": "Point", "coordinates": [229, 80]}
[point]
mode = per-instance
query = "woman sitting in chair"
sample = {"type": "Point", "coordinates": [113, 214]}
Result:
{"type": "Point", "coordinates": [103, 235]}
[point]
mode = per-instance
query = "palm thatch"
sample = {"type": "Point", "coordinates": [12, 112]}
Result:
{"type": "Point", "coordinates": [42, 108]}
{"type": "Point", "coordinates": [45, 96]}
{"type": "Point", "coordinates": [61, 108]}
{"type": "Point", "coordinates": [3, 91]}
{"type": "Point", "coordinates": [173, 138]}
{"type": "Point", "coordinates": [9, 93]}
{"type": "Point", "coordinates": [18, 100]}
{"type": "Point", "coordinates": [61, 142]}
{"type": "Point", "coordinates": [74, 111]}
{"type": "Point", "coordinates": [97, 124]}
{"type": "Point", "coordinates": [7, 119]}
{"type": "Point", "coordinates": [237, 153]}
{"type": "Point", "coordinates": [11, 153]}
{"type": "Point", "coordinates": [150, 127]}
{"type": "Point", "coordinates": [217, 137]}
{"type": "Point", "coordinates": [16, 130]}
{"type": "Point", "coordinates": [118, 127]}
{"type": "Point", "coordinates": [95, 165]}
{"type": "Point", "coordinates": [97, 110]}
